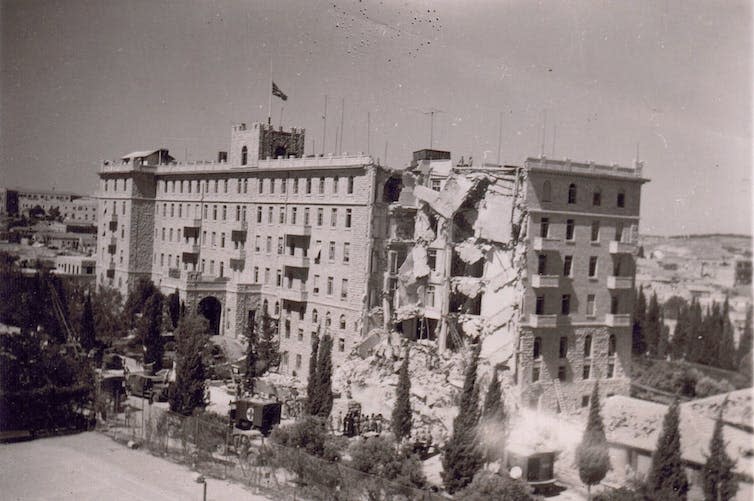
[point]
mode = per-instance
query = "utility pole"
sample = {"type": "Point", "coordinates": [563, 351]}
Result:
{"type": "Point", "coordinates": [431, 112]}
{"type": "Point", "coordinates": [500, 139]}
{"type": "Point", "coordinates": [368, 132]}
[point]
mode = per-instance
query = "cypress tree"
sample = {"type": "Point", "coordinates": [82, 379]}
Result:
{"type": "Point", "coordinates": [667, 477]}
{"type": "Point", "coordinates": [267, 350]}
{"type": "Point", "coordinates": [311, 383]}
{"type": "Point", "coordinates": [694, 333]}
{"type": "Point", "coordinates": [324, 378]}
{"type": "Point", "coordinates": [652, 328]}
{"type": "Point", "coordinates": [745, 341]}
{"type": "Point", "coordinates": [402, 410]}
{"type": "Point", "coordinates": [463, 457]}
{"type": "Point", "coordinates": [175, 308]}
{"type": "Point", "coordinates": [493, 403]}
{"type": "Point", "coordinates": [188, 392]}
{"type": "Point", "coordinates": [679, 342]}
{"type": "Point", "coordinates": [252, 358]}
{"type": "Point", "coordinates": [726, 355]}
{"type": "Point", "coordinates": [149, 331]}
{"type": "Point", "coordinates": [720, 483]}
{"type": "Point", "coordinates": [87, 334]}
{"type": "Point", "coordinates": [663, 341]}
{"type": "Point", "coordinates": [592, 454]}
{"type": "Point", "coordinates": [638, 343]}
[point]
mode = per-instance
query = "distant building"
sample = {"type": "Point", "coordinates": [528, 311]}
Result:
{"type": "Point", "coordinates": [742, 272]}
{"type": "Point", "coordinates": [70, 206]}
{"type": "Point", "coordinates": [80, 267]}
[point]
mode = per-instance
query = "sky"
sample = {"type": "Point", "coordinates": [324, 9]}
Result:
{"type": "Point", "coordinates": [86, 80]}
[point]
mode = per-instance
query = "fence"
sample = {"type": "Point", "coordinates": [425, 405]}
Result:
{"type": "Point", "coordinates": [207, 445]}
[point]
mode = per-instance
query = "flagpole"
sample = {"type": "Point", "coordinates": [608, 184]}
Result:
{"type": "Point", "coordinates": [269, 98]}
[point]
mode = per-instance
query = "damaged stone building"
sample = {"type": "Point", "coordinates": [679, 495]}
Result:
{"type": "Point", "coordinates": [537, 262]}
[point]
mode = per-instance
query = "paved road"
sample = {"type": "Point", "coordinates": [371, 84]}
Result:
{"type": "Point", "coordinates": [90, 466]}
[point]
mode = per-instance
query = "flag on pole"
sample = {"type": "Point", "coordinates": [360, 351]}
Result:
{"type": "Point", "coordinates": [278, 93]}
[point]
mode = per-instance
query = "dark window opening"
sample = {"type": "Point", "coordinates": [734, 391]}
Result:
{"type": "Point", "coordinates": [244, 155]}
{"type": "Point", "coordinates": [542, 264]}
{"type": "Point", "coordinates": [563, 348]}
{"type": "Point", "coordinates": [565, 304]}
{"type": "Point", "coordinates": [537, 350]}
{"type": "Point", "coordinates": [572, 194]}
{"type": "Point", "coordinates": [540, 306]}
{"type": "Point", "coordinates": [392, 190]}
{"type": "Point", "coordinates": [621, 202]}
{"type": "Point", "coordinates": [569, 229]}
{"type": "Point", "coordinates": [544, 227]}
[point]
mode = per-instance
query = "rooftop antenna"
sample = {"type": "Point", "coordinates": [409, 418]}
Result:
{"type": "Point", "coordinates": [324, 127]}
{"type": "Point", "coordinates": [431, 112]}
{"type": "Point", "coordinates": [637, 153]}
{"type": "Point", "coordinates": [544, 129]}
{"type": "Point", "coordinates": [342, 111]}
{"type": "Point", "coordinates": [368, 132]}
{"type": "Point", "coordinates": [554, 136]}
{"type": "Point", "coordinates": [500, 138]}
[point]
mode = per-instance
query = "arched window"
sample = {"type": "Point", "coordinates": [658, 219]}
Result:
{"type": "Point", "coordinates": [597, 197]}
{"type": "Point", "coordinates": [546, 192]}
{"type": "Point", "coordinates": [537, 352]}
{"type": "Point", "coordinates": [244, 155]}
{"type": "Point", "coordinates": [342, 322]}
{"type": "Point", "coordinates": [328, 319]}
{"type": "Point", "coordinates": [572, 193]}
{"type": "Point", "coordinates": [315, 316]}
{"type": "Point", "coordinates": [588, 346]}
{"type": "Point", "coordinates": [611, 346]}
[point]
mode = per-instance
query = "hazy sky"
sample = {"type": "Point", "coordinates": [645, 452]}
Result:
{"type": "Point", "coordinates": [85, 80]}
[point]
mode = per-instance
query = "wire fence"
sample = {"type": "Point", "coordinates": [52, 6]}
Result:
{"type": "Point", "coordinates": [209, 445]}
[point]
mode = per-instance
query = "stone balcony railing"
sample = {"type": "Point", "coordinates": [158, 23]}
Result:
{"type": "Point", "coordinates": [620, 283]}
{"type": "Point", "coordinates": [618, 320]}
{"type": "Point", "coordinates": [545, 281]}
{"type": "Point", "coordinates": [295, 293]}
{"type": "Point", "coordinates": [545, 244]}
{"type": "Point", "coordinates": [616, 247]}
{"type": "Point", "coordinates": [584, 168]}
{"type": "Point", "coordinates": [543, 321]}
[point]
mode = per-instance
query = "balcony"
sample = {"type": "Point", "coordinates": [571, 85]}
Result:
{"type": "Point", "coordinates": [238, 261]}
{"type": "Point", "coordinates": [618, 320]}
{"type": "Point", "coordinates": [112, 225]}
{"type": "Point", "coordinates": [174, 273]}
{"type": "Point", "coordinates": [111, 249]}
{"type": "Point", "coordinates": [545, 281]}
{"type": "Point", "coordinates": [543, 321]}
{"type": "Point", "coordinates": [191, 230]}
{"type": "Point", "coordinates": [622, 248]}
{"type": "Point", "coordinates": [299, 230]}
{"type": "Point", "coordinates": [239, 235]}
{"type": "Point", "coordinates": [295, 261]}
{"type": "Point", "coordinates": [192, 255]}
{"type": "Point", "coordinates": [620, 283]}
{"type": "Point", "coordinates": [545, 244]}
{"type": "Point", "coordinates": [297, 294]}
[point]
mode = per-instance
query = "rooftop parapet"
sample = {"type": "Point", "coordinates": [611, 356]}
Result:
{"type": "Point", "coordinates": [270, 163]}
{"type": "Point", "coordinates": [588, 168]}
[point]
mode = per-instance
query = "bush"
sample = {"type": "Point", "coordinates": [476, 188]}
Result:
{"type": "Point", "coordinates": [487, 485]}
{"type": "Point", "coordinates": [309, 434]}
{"type": "Point", "coordinates": [622, 494]}
{"type": "Point", "coordinates": [380, 456]}
{"type": "Point", "coordinates": [706, 387]}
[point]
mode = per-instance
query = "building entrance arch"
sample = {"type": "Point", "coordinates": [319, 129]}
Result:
{"type": "Point", "coordinates": [211, 309]}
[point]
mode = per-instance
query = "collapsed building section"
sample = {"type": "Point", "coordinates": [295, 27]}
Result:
{"type": "Point", "coordinates": [455, 268]}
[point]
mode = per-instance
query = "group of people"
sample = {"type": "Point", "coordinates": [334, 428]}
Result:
{"type": "Point", "coordinates": [355, 424]}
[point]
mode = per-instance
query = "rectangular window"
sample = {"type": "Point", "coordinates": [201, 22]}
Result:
{"type": "Point", "coordinates": [585, 375]}
{"type": "Point", "coordinates": [211, 266]}
{"type": "Point", "coordinates": [592, 266]}
{"type": "Point", "coordinates": [563, 348]}
{"type": "Point", "coordinates": [257, 243]}
{"type": "Point", "coordinates": [294, 212]}
{"type": "Point", "coordinates": [308, 186]}
{"type": "Point", "coordinates": [222, 269]}
{"type": "Point", "coordinates": [590, 304]}
{"type": "Point", "coordinates": [300, 334]}
{"type": "Point", "coordinates": [225, 212]}
{"type": "Point", "coordinates": [541, 264]}
{"type": "Point", "coordinates": [335, 181]}
{"type": "Point", "coordinates": [322, 186]}
{"type": "Point", "coordinates": [256, 274]}
{"type": "Point", "coordinates": [562, 373]}
{"type": "Point", "coordinates": [298, 361]}
{"type": "Point", "coordinates": [295, 185]}
{"type": "Point", "coordinates": [341, 345]}
{"type": "Point", "coordinates": [346, 252]}
{"type": "Point", "coordinates": [534, 374]}
{"type": "Point", "coordinates": [268, 247]}
{"type": "Point", "coordinates": [614, 305]}
{"type": "Point", "coordinates": [595, 231]}
{"type": "Point", "coordinates": [315, 285]}
{"type": "Point", "coordinates": [259, 214]}
{"type": "Point", "coordinates": [565, 304]}
{"type": "Point", "coordinates": [331, 251]}
{"type": "Point", "coordinates": [306, 216]}
{"type": "Point", "coordinates": [222, 240]}
{"type": "Point", "coordinates": [539, 308]}
{"type": "Point", "coordinates": [435, 184]}
{"type": "Point", "coordinates": [333, 217]}
{"type": "Point", "coordinates": [432, 259]}
{"type": "Point", "coordinates": [544, 227]}
{"type": "Point", "coordinates": [567, 265]}
{"type": "Point", "coordinates": [597, 198]}
{"type": "Point", "coordinates": [260, 185]}
{"type": "Point", "coordinates": [610, 370]}
{"type": "Point", "coordinates": [344, 289]}
{"type": "Point", "coordinates": [320, 216]}
{"type": "Point", "coordinates": [283, 185]}
{"type": "Point", "coordinates": [348, 218]}
{"type": "Point", "coordinates": [270, 211]}
{"type": "Point", "coordinates": [204, 236]}
{"type": "Point", "coordinates": [429, 296]}
{"type": "Point", "coordinates": [350, 185]}
{"type": "Point", "coordinates": [281, 215]}
{"type": "Point", "coordinates": [569, 229]}
{"type": "Point", "coordinates": [621, 202]}
{"type": "Point", "coordinates": [266, 275]}
{"type": "Point", "coordinates": [213, 241]}
{"type": "Point", "coordinates": [619, 232]}
{"type": "Point", "coordinates": [280, 245]}
{"type": "Point", "coordinates": [279, 279]}
{"type": "Point", "coordinates": [214, 212]}
{"type": "Point", "coordinates": [272, 186]}
{"type": "Point", "coordinates": [330, 286]}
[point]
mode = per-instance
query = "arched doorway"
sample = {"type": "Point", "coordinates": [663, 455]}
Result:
{"type": "Point", "coordinates": [211, 308]}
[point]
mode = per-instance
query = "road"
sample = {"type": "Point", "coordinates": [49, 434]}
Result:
{"type": "Point", "coordinates": [91, 466]}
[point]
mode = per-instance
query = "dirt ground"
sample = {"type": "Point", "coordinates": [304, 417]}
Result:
{"type": "Point", "coordinates": [90, 466]}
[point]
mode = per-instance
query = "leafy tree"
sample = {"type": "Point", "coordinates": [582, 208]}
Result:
{"type": "Point", "coordinates": [311, 382]}
{"type": "Point", "coordinates": [746, 341]}
{"type": "Point", "coordinates": [148, 331]}
{"type": "Point", "coordinates": [720, 483]}
{"type": "Point", "coordinates": [638, 343]}
{"type": "Point", "coordinates": [137, 299]}
{"type": "Point", "coordinates": [487, 485]}
{"type": "Point", "coordinates": [175, 308]}
{"type": "Point", "coordinates": [323, 395]}
{"type": "Point", "coordinates": [188, 392]}
{"type": "Point", "coordinates": [592, 454]}
{"type": "Point", "coordinates": [402, 409]}
{"type": "Point", "coordinates": [268, 354]}
{"type": "Point", "coordinates": [379, 456]}
{"type": "Point", "coordinates": [667, 477]}
{"type": "Point", "coordinates": [463, 457]}
{"type": "Point", "coordinates": [86, 331]}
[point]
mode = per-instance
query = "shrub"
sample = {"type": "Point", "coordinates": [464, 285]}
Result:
{"type": "Point", "coordinates": [380, 456]}
{"type": "Point", "coordinates": [487, 485]}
